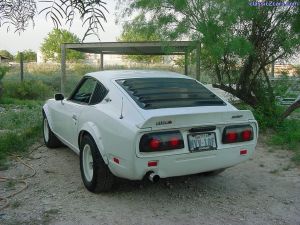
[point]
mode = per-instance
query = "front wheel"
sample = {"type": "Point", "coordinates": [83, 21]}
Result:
{"type": "Point", "coordinates": [51, 141]}
{"type": "Point", "coordinates": [95, 173]}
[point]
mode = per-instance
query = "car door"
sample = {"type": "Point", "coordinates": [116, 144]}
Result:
{"type": "Point", "coordinates": [69, 111]}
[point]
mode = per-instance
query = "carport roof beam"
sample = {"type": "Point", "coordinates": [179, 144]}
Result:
{"type": "Point", "coordinates": [135, 48]}
{"type": "Point", "coordinates": [132, 48]}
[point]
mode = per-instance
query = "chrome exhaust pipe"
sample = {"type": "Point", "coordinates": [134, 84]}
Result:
{"type": "Point", "coordinates": [153, 177]}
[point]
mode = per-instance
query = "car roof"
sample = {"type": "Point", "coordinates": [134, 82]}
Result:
{"type": "Point", "coordinates": [123, 74]}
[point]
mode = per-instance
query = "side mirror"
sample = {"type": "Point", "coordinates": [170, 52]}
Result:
{"type": "Point", "coordinates": [59, 97]}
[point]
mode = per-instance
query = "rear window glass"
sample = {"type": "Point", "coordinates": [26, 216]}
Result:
{"type": "Point", "coordinates": [157, 93]}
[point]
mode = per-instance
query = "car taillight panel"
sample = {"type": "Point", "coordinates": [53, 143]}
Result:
{"type": "Point", "coordinates": [161, 141]}
{"type": "Point", "coordinates": [241, 133]}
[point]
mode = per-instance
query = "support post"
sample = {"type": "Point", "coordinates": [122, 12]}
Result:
{"type": "Point", "coordinates": [198, 49]}
{"type": "Point", "coordinates": [21, 66]}
{"type": "Point", "coordinates": [186, 63]}
{"type": "Point", "coordinates": [63, 68]}
{"type": "Point", "coordinates": [101, 61]}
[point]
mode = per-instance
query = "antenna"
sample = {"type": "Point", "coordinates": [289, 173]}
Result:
{"type": "Point", "coordinates": [121, 116]}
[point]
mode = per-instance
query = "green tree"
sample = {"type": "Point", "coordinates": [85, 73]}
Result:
{"type": "Point", "coordinates": [238, 40]}
{"type": "Point", "coordinates": [18, 15]}
{"type": "Point", "coordinates": [7, 54]}
{"type": "Point", "coordinates": [28, 56]}
{"type": "Point", "coordinates": [51, 45]}
{"type": "Point", "coordinates": [136, 30]}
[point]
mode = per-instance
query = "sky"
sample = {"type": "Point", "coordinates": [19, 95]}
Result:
{"type": "Point", "coordinates": [33, 37]}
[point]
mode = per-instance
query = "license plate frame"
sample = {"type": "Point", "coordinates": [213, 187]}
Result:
{"type": "Point", "coordinates": [193, 145]}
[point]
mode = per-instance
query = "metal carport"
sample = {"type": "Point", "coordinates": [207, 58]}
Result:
{"type": "Point", "coordinates": [133, 48]}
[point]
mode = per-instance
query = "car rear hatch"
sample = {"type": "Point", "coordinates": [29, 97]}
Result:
{"type": "Point", "coordinates": [201, 132]}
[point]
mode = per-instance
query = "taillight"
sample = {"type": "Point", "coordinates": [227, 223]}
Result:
{"type": "Point", "coordinates": [240, 133]}
{"type": "Point", "coordinates": [154, 143]}
{"type": "Point", "coordinates": [161, 141]}
{"type": "Point", "coordinates": [247, 135]}
{"type": "Point", "coordinates": [231, 137]}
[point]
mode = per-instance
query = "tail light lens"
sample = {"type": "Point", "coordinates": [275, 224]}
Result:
{"type": "Point", "coordinates": [233, 134]}
{"type": "Point", "coordinates": [161, 141]}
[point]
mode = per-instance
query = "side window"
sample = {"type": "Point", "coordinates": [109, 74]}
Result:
{"type": "Point", "coordinates": [84, 92]}
{"type": "Point", "coordinates": [99, 94]}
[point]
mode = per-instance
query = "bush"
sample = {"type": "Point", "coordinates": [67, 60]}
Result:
{"type": "Point", "coordinates": [27, 90]}
{"type": "Point", "coordinates": [287, 135]}
{"type": "Point", "coordinates": [3, 70]}
{"type": "Point", "coordinates": [268, 120]}
{"type": "Point", "coordinates": [264, 120]}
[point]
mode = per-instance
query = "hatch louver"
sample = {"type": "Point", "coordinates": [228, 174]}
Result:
{"type": "Point", "coordinates": [156, 93]}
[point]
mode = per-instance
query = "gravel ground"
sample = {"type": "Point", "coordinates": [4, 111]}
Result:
{"type": "Point", "coordinates": [264, 190]}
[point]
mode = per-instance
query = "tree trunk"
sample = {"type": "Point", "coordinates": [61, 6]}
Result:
{"type": "Point", "coordinates": [291, 109]}
{"type": "Point", "coordinates": [248, 99]}
{"type": "Point", "coordinates": [1, 89]}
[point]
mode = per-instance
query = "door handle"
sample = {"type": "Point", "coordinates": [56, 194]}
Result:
{"type": "Point", "coordinates": [74, 117]}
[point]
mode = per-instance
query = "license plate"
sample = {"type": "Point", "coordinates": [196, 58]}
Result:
{"type": "Point", "coordinates": [202, 142]}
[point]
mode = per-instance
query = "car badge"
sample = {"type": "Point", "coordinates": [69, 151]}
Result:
{"type": "Point", "coordinates": [163, 122]}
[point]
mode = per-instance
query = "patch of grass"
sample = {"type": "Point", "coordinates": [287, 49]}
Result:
{"type": "Point", "coordinates": [14, 101]}
{"type": "Point", "coordinates": [20, 127]}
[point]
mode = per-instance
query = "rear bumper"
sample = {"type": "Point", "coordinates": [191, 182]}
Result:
{"type": "Point", "coordinates": [181, 164]}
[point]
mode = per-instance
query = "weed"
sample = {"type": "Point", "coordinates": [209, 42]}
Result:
{"type": "Point", "coordinates": [16, 204]}
{"type": "Point", "coordinates": [52, 211]}
{"type": "Point", "coordinates": [287, 167]}
{"type": "Point", "coordinates": [46, 218]}
{"type": "Point", "coordinates": [10, 184]}
{"type": "Point", "coordinates": [275, 171]}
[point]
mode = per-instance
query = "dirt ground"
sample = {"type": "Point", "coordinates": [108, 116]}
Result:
{"type": "Point", "coordinates": [264, 190]}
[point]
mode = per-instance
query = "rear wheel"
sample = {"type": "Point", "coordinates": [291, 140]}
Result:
{"type": "Point", "coordinates": [213, 173]}
{"type": "Point", "coordinates": [95, 173]}
{"type": "Point", "coordinates": [51, 141]}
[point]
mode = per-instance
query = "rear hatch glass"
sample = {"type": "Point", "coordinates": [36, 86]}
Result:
{"type": "Point", "coordinates": [158, 93]}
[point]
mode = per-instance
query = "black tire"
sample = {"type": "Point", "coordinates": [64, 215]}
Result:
{"type": "Point", "coordinates": [51, 141]}
{"type": "Point", "coordinates": [213, 172]}
{"type": "Point", "coordinates": [101, 179]}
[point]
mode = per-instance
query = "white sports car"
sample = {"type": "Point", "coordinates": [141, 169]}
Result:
{"type": "Point", "coordinates": [154, 124]}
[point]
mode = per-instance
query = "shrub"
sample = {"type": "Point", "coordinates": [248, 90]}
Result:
{"type": "Point", "coordinates": [27, 90]}
{"type": "Point", "coordinates": [264, 120]}
{"type": "Point", "coordinates": [268, 120]}
{"type": "Point", "coordinates": [287, 135]}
